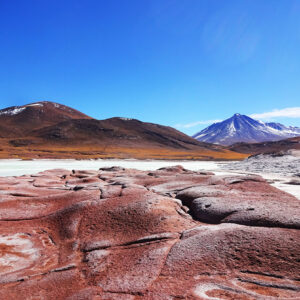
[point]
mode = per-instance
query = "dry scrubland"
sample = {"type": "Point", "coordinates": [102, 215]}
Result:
{"type": "Point", "coordinates": [92, 152]}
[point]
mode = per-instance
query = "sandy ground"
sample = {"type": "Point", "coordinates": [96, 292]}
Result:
{"type": "Point", "coordinates": [278, 171]}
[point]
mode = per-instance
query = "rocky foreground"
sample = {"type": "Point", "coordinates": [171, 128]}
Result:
{"type": "Point", "coordinates": [127, 234]}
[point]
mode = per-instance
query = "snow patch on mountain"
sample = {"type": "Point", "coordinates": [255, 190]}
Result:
{"type": "Point", "coordinates": [17, 109]}
{"type": "Point", "coordinates": [34, 104]}
{"type": "Point", "coordinates": [125, 119]}
{"type": "Point", "coordinates": [12, 111]}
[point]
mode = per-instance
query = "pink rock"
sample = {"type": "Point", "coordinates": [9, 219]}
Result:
{"type": "Point", "coordinates": [127, 234]}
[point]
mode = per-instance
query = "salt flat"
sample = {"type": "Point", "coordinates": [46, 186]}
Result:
{"type": "Point", "coordinates": [278, 178]}
{"type": "Point", "coordinates": [15, 167]}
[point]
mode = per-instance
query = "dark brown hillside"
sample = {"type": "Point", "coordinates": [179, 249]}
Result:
{"type": "Point", "coordinates": [17, 121]}
{"type": "Point", "coordinates": [120, 131]}
{"type": "Point", "coordinates": [51, 130]}
{"type": "Point", "coordinates": [267, 147]}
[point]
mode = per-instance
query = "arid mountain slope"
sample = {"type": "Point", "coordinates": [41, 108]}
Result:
{"type": "Point", "coordinates": [267, 147]}
{"type": "Point", "coordinates": [127, 132]}
{"type": "Point", "coordinates": [18, 121]}
{"type": "Point", "coordinates": [51, 130]}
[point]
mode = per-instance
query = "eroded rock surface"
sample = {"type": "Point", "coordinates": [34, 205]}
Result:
{"type": "Point", "coordinates": [127, 234]}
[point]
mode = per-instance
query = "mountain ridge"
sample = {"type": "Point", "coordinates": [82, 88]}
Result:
{"type": "Point", "coordinates": [271, 147]}
{"type": "Point", "coordinates": [53, 130]}
{"type": "Point", "coordinates": [243, 129]}
{"type": "Point", "coordinates": [17, 121]}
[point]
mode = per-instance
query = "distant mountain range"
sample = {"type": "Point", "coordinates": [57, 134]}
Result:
{"type": "Point", "coordinates": [243, 129]}
{"type": "Point", "coordinates": [51, 130]}
{"type": "Point", "coordinates": [275, 147]}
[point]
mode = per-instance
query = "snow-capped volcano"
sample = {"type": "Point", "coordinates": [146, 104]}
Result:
{"type": "Point", "coordinates": [241, 128]}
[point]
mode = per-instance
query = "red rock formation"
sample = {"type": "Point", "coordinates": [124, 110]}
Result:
{"type": "Point", "coordinates": [128, 234]}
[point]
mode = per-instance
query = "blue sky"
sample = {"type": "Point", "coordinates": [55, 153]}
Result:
{"type": "Point", "coordinates": [173, 62]}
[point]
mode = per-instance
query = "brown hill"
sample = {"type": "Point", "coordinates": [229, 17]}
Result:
{"type": "Point", "coordinates": [51, 130]}
{"type": "Point", "coordinates": [121, 131]}
{"type": "Point", "coordinates": [17, 121]}
{"type": "Point", "coordinates": [267, 147]}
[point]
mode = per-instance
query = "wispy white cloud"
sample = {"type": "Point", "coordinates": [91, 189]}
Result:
{"type": "Point", "coordinates": [289, 112]}
{"type": "Point", "coordinates": [205, 122]}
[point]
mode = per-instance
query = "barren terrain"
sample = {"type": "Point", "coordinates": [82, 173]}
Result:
{"type": "Point", "coordinates": [127, 234]}
{"type": "Point", "coordinates": [52, 130]}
